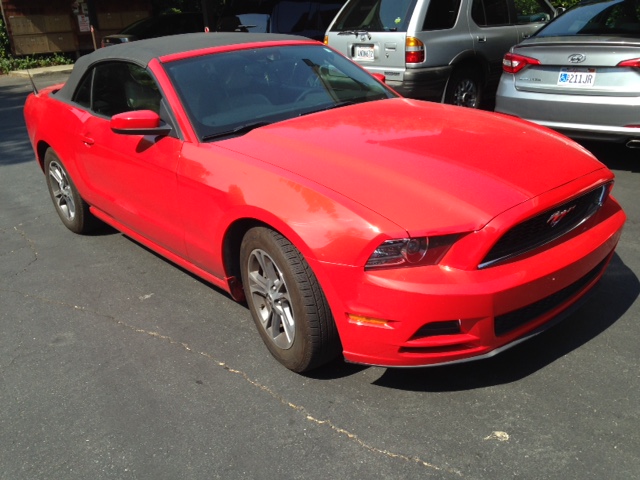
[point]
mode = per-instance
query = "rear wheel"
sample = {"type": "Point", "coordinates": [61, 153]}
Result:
{"type": "Point", "coordinates": [464, 89]}
{"type": "Point", "coordinates": [72, 209]}
{"type": "Point", "coordinates": [286, 301]}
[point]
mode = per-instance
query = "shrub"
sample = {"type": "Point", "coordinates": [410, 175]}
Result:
{"type": "Point", "coordinates": [8, 62]}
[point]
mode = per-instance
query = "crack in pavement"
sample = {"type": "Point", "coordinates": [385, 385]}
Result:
{"type": "Point", "coordinates": [298, 408]}
{"type": "Point", "coordinates": [31, 245]}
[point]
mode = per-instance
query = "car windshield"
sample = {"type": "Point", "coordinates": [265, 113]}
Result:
{"type": "Point", "coordinates": [228, 94]}
{"type": "Point", "coordinates": [375, 16]}
{"type": "Point", "coordinates": [597, 17]}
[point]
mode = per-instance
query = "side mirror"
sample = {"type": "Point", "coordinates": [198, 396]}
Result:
{"type": "Point", "coordinates": [380, 77]}
{"type": "Point", "coordinates": [139, 122]}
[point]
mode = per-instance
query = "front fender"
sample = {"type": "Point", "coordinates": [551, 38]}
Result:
{"type": "Point", "coordinates": [219, 188]}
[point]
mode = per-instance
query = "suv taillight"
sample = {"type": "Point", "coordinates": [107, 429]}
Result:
{"type": "Point", "coordinates": [414, 51]}
{"type": "Point", "coordinates": [513, 63]}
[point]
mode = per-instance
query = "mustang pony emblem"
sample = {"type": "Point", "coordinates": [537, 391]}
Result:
{"type": "Point", "coordinates": [556, 217]}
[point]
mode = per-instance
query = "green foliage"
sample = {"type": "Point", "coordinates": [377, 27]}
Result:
{"type": "Point", "coordinates": [564, 3]}
{"type": "Point", "coordinates": [175, 6]}
{"type": "Point", "coordinates": [9, 63]}
{"type": "Point", "coordinates": [529, 7]}
{"type": "Point", "coordinates": [4, 40]}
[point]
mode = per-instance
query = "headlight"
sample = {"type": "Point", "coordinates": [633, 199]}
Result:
{"type": "Point", "coordinates": [407, 252]}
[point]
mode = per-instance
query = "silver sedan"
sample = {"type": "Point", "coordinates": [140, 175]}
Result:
{"type": "Point", "coordinates": [580, 74]}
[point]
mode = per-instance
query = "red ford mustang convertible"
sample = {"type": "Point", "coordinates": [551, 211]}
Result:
{"type": "Point", "coordinates": [353, 222]}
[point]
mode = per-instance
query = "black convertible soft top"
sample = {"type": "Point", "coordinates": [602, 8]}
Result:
{"type": "Point", "coordinates": [142, 52]}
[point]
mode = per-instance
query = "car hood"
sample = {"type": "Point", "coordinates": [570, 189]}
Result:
{"type": "Point", "coordinates": [421, 164]}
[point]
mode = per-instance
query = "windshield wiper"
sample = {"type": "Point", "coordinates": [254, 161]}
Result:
{"type": "Point", "coordinates": [330, 107]}
{"type": "Point", "coordinates": [241, 130]}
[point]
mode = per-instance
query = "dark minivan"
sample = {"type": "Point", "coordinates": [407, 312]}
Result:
{"type": "Point", "coordinates": [309, 18]}
{"type": "Point", "coordinates": [158, 26]}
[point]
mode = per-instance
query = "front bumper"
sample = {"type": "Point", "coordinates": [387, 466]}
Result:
{"type": "Point", "coordinates": [426, 83]}
{"type": "Point", "coordinates": [494, 308]}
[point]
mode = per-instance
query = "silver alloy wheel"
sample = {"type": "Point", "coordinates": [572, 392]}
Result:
{"type": "Point", "coordinates": [61, 190]}
{"type": "Point", "coordinates": [466, 93]}
{"type": "Point", "coordinates": [271, 299]}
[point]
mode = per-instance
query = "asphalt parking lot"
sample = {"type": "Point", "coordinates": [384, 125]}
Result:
{"type": "Point", "coordinates": [114, 363]}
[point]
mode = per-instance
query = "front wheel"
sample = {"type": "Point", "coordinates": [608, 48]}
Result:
{"type": "Point", "coordinates": [464, 89]}
{"type": "Point", "coordinates": [72, 209]}
{"type": "Point", "coordinates": [286, 301]}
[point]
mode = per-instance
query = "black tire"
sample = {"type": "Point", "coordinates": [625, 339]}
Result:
{"type": "Point", "coordinates": [465, 88]}
{"type": "Point", "coordinates": [72, 209]}
{"type": "Point", "coordinates": [286, 302]}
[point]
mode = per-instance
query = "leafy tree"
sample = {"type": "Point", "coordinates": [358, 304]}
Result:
{"type": "Point", "coordinates": [4, 40]}
{"type": "Point", "coordinates": [564, 3]}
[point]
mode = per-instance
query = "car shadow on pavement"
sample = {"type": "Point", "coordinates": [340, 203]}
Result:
{"type": "Point", "coordinates": [14, 141]}
{"type": "Point", "coordinates": [606, 304]}
{"type": "Point", "coordinates": [618, 157]}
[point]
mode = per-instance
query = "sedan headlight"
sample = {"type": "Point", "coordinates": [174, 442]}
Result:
{"type": "Point", "coordinates": [408, 252]}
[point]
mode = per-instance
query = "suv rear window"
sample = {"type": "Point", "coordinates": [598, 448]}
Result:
{"type": "Point", "coordinates": [375, 16]}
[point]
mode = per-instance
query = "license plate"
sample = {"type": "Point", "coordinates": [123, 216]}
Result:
{"type": "Point", "coordinates": [364, 53]}
{"type": "Point", "coordinates": [577, 77]}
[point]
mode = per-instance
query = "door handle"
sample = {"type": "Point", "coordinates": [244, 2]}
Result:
{"type": "Point", "coordinates": [481, 39]}
{"type": "Point", "coordinates": [87, 140]}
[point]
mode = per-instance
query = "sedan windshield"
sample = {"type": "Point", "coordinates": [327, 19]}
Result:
{"type": "Point", "coordinates": [228, 94]}
{"type": "Point", "coordinates": [597, 17]}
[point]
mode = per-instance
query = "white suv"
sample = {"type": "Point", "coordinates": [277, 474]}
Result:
{"type": "Point", "coordinates": [440, 50]}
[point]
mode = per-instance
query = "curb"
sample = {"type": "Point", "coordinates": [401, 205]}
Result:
{"type": "Point", "coordinates": [37, 72]}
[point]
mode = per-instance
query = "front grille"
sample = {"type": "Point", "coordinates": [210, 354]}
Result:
{"type": "Point", "coordinates": [543, 228]}
{"type": "Point", "coordinates": [504, 324]}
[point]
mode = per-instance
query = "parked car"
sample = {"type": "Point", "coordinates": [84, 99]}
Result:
{"type": "Point", "coordinates": [158, 26]}
{"type": "Point", "coordinates": [309, 18]}
{"type": "Point", "coordinates": [580, 75]}
{"type": "Point", "coordinates": [392, 231]}
{"type": "Point", "coordinates": [439, 50]}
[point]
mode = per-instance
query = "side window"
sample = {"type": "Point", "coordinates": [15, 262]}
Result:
{"type": "Point", "coordinates": [82, 95]}
{"type": "Point", "coordinates": [121, 87]}
{"type": "Point", "coordinates": [532, 11]}
{"type": "Point", "coordinates": [141, 90]}
{"type": "Point", "coordinates": [441, 15]}
{"type": "Point", "coordinates": [490, 13]}
{"type": "Point", "coordinates": [168, 26]}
